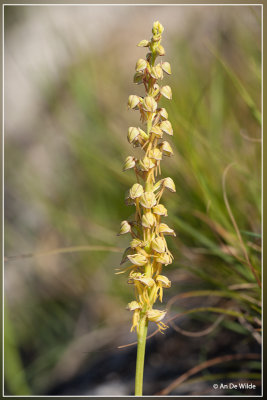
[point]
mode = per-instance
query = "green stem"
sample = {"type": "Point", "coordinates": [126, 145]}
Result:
{"type": "Point", "coordinates": [140, 358]}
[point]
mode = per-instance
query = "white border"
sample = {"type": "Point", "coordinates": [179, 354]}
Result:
{"type": "Point", "coordinates": [133, 5]}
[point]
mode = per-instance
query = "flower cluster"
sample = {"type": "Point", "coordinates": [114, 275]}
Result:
{"type": "Point", "coordinates": [148, 251]}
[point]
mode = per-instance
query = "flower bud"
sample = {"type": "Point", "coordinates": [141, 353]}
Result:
{"type": "Point", "coordinates": [129, 163]}
{"type": "Point", "coordinates": [166, 230]}
{"type": "Point", "coordinates": [160, 50]}
{"type": "Point", "coordinates": [157, 28]}
{"type": "Point", "coordinates": [163, 258]}
{"type": "Point", "coordinates": [163, 113]}
{"type": "Point", "coordinates": [166, 67]}
{"type": "Point", "coordinates": [154, 40]}
{"type": "Point", "coordinates": [155, 315]}
{"type": "Point", "coordinates": [148, 200]}
{"type": "Point", "coordinates": [146, 164]}
{"type": "Point", "coordinates": [146, 280]}
{"type": "Point", "coordinates": [136, 191]}
{"type": "Point", "coordinates": [143, 43]}
{"type": "Point", "coordinates": [159, 209]}
{"type": "Point", "coordinates": [155, 154]}
{"type": "Point", "coordinates": [158, 245]}
{"type": "Point", "coordinates": [156, 72]}
{"type": "Point", "coordinates": [133, 100]}
{"type": "Point", "coordinates": [155, 90]}
{"type": "Point", "coordinates": [133, 133]}
{"type": "Point", "coordinates": [140, 65]}
{"type": "Point", "coordinates": [149, 104]}
{"type": "Point", "coordinates": [133, 305]}
{"type": "Point", "coordinates": [166, 149]}
{"type": "Point", "coordinates": [164, 281]}
{"type": "Point", "coordinates": [141, 278]}
{"type": "Point", "coordinates": [133, 276]}
{"type": "Point", "coordinates": [169, 184]}
{"type": "Point", "coordinates": [157, 131]}
{"type": "Point", "coordinates": [166, 126]}
{"type": "Point", "coordinates": [148, 220]}
{"type": "Point", "coordinates": [125, 228]}
{"type": "Point", "coordinates": [137, 259]}
{"type": "Point", "coordinates": [136, 243]}
{"type": "Point", "coordinates": [166, 92]}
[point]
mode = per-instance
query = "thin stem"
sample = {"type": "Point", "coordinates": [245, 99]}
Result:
{"type": "Point", "coordinates": [143, 324]}
{"type": "Point", "coordinates": [140, 358]}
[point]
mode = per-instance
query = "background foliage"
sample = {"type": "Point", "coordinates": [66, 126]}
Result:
{"type": "Point", "coordinates": [65, 140]}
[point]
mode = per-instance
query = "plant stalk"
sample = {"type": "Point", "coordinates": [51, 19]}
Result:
{"type": "Point", "coordinates": [140, 358]}
{"type": "Point", "coordinates": [148, 249]}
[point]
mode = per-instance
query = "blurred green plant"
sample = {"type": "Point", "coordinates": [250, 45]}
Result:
{"type": "Point", "coordinates": [14, 370]}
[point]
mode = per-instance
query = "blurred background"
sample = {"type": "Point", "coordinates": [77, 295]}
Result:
{"type": "Point", "coordinates": [68, 74]}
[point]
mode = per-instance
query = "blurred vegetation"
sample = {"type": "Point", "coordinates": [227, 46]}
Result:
{"type": "Point", "coordinates": [215, 113]}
